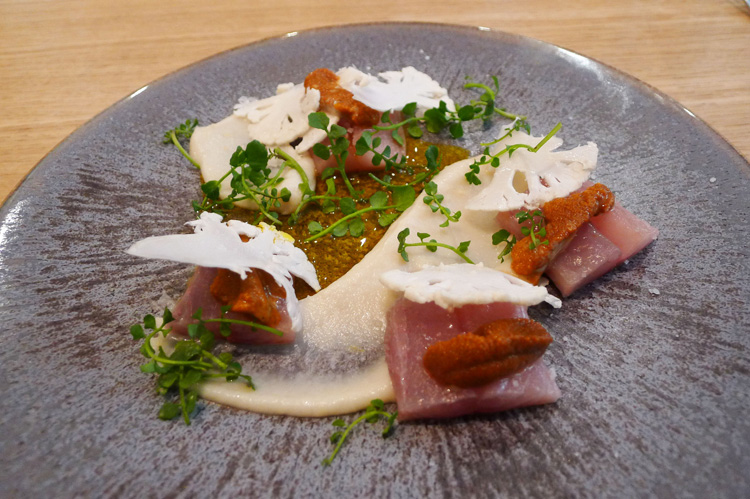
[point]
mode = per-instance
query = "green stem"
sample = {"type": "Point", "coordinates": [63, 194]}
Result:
{"type": "Point", "coordinates": [177, 144]}
{"type": "Point", "coordinates": [296, 166]}
{"type": "Point", "coordinates": [480, 86]}
{"type": "Point", "coordinates": [507, 134]}
{"type": "Point", "coordinates": [549, 136]}
{"type": "Point", "coordinates": [214, 359]}
{"type": "Point", "coordinates": [254, 325]}
{"type": "Point", "coordinates": [442, 245]}
{"type": "Point", "coordinates": [353, 193]}
{"type": "Point", "coordinates": [349, 428]}
{"type": "Point", "coordinates": [510, 116]}
{"type": "Point", "coordinates": [164, 360]}
{"type": "Point", "coordinates": [185, 415]}
{"type": "Point", "coordinates": [394, 126]}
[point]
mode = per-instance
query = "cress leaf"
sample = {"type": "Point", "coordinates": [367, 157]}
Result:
{"type": "Point", "coordinates": [347, 206]}
{"type": "Point", "coordinates": [314, 227]}
{"type": "Point", "coordinates": [356, 227]}
{"type": "Point", "coordinates": [149, 322]}
{"type": "Point", "coordinates": [340, 230]}
{"type": "Point", "coordinates": [136, 331]}
{"type": "Point", "coordinates": [321, 151]}
{"type": "Point", "coordinates": [403, 196]}
{"type": "Point", "coordinates": [327, 206]}
{"type": "Point", "coordinates": [168, 379]}
{"type": "Point", "coordinates": [190, 378]}
{"type": "Point", "coordinates": [318, 120]}
{"type": "Point", "coordinates": [211, 189]}
{"type": "Point", "coordinates": [414, 131]}
{"type": "Point", "coordinates": [191, 398]}
{"type": "Point", "coordinates": [397, 137]}
{"type": "Point", "coordinates": [410, 109]}
{"type": "Point", "coordinates": [167, 316]}
{"type": "Point", "coordinates": [169, 411]}
{"type": "Point", "coordinates": [456, 130]}
{"type": "Point", "coordinates": [387, 219]}
{"type": "Point", "coordinates": [337, 131]}
{"type": "Point", "coordinates": [379, 199]}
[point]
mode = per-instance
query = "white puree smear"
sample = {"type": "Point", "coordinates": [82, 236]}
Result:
{"type": "Point", "coordinates": [322, 395]}
{"type": "Point", "coordinates": [350, 314]}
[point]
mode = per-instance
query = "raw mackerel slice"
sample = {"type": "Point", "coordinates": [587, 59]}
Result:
{"type": "Point", "coordinates": [587, 257]}
{"type": "Point", "coordinates": [627, 231]}
{"type": "Point", "coordinates": [413, 327]}
{"type": "Point", "coordinates": [198, 295]}
{"type": "Point", "coordinates": [362, 163]}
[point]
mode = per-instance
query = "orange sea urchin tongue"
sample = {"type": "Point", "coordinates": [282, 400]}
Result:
{"type": "Point", "coordinates": [333, 96]}
{"type": "Point", "coordinates": [493, 351]}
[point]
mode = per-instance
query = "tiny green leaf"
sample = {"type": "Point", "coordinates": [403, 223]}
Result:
{"type": "Point", "coordinates": [410, 109]}
{"type": "Point", "coordinates": [314, 227]}
{"type": "Point", "coordinates": [347, 206]}
{"type": "Point", "coordinates": [318, 120]}
{"type": "Point", "coordinates": [340, 230]}
{"type": "Point", "coordinates": [322, 151]}
{"type": "Point", "coordinates": [403, 196]}
{"type": "Point", "coordinates": [136, 331]}
{"type": "Point", "coordinates": [379, 199]}
{"type": "Point", "coordinates": [356, 227]}
{"type": "Point", "coordinates": [169, 411]}
{"type": "Point", "coordinates": [149, 322]}
{"type": "Point", "coordinates": [387, 219]}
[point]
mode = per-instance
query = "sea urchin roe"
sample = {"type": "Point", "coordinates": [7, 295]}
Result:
{"type": "Point", "coordinates": [493, 351]}
{"type": "Point", "coordinates": [334, 96]}
{"type": "Point", "coordinates": [257, 295]}
{"type": "Point", "coordinates": [564, 216]}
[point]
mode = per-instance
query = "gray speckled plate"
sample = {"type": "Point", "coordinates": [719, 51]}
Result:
{"type": "Point", "coordinates": [652, 359]}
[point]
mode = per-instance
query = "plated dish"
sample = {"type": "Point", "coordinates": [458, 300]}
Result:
{"type": "Point", "coordinates": [651, 383]}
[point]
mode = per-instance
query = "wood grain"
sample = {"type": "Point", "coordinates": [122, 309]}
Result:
{"type": "Point", "coordinates": [64, 61]}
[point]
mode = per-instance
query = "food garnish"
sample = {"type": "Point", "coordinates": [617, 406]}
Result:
{"type": "Point", "coordinates": [509, 240]}
{"type": "Point", "coordinates": [184, 131]}
{"type": "Point", "coordinates": [535, 231]}
{"type": "Point", "coordinates": [190, 363]}
{"type": "Point", "coordinates": [493, 351]}
{"type": "Point", "coordinates": [435, 202]}
{"type": "Point", "coordinates": [338, 147]}
{"type": "Point", "coordinates": [253, 180]}
{"type": "Point", "coordinates": [431, 245]}
{"type": "Point", "coordinates": [488, 158]}
{"type": "Point", "coordinates": [458, 284]}
{"type": "Point", "coordinates": [373, 413]}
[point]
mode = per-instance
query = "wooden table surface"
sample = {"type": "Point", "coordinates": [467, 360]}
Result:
{"type": "Point", "coordinates": [64, 61]}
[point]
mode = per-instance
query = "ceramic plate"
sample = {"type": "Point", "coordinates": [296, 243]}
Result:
{"type": "Point", "coordinates": [652, 359]}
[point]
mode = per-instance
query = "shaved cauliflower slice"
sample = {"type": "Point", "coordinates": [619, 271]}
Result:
{"type": "Point", "coordinates": [392, 90]}
{"type": "Point", "coordinates": [528, 179]}
{"type": "Point", "coordinates": [459, 284]}
{"type": "Point", "coordinates": [282, 119]}
{"type": "Point", "coordinates": [219, 245]}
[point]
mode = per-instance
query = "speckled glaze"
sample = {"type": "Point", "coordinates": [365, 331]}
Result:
{"type": "Point", "coordinates": [652, 359]}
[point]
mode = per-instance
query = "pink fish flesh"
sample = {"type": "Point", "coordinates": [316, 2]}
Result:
{"type": "Point", "coordinates": [413, 327]}
{"type": "Point", "coordinates": [588, 256]}
{"type": "Point", "coordinates": [198, 295]}
{"type": "Point", "coordinates": [627, 231]}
